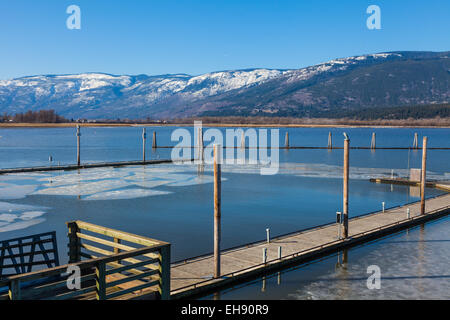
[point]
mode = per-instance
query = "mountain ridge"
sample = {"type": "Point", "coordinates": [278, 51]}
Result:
{"type": "Point", "coordinates": [374, 80]}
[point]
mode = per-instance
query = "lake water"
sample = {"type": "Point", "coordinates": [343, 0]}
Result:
{"type": "Point", "coordinates": [174, 202]}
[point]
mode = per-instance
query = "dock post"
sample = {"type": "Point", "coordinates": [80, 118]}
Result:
{"type": "Point", "coordinates": [286, 140]}
{"type": "Point", "coordinates": [264, 255]}
{"type": "Point", "coordinates": [154, 145]}
{"type": "Point", "coordinates": [408, 213]}
{"type": "Point", "coordinates": [346, 175]}
{"type": "Point", "coordinates": [373, 143]}
{"type": "Point", "coordinates": [382, 206]}
{"type": "Point", "coordinates": [164, 280]}
{"type": "Point", "coordinates": [268, 235]}
{"type": "Point", "coordinates": [416, 141]}
{"type": "Point", "coordinates": [144, 138]}
{"type": "Point", "coordinates": [339, 221]}
{"type": "Point", "coordinates": [78, 145]}
{"type": "Point", "coordinates": [330, 140]}
{"type": "Point", "coordinates": [424, 175]}
{"type": "Point", "coordinates": [217, 207]}
{"type": "Point", "coordinates": [200, 144]}
{"type": "Point", "coordinates": [279, 253]}
{"type": "Point", "coordinates": [74, 242]}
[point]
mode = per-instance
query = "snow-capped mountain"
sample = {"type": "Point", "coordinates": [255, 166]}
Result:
{"type": "Point", "coordinates": [384, 79]}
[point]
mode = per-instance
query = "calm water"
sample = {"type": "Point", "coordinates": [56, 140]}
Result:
{"type": "Point", "coordinates": [174, 203]}
{"type": "Point", "coordinates": [33, 146]}
{"type": "Point", "coordinates": [413, 264]}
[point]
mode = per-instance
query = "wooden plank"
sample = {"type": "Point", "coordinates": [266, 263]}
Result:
{"type": "Point", "coordinates": [137, 288]}
{"type": "Point", "coordinates": [50, 289]}
{"type": "Point", "coordinates": [100, 281]}
{"type": "Point", "coordinates": [115, 245]}
{"type": "Point", "coordinates": [111, 254]}
{"type": "Point", "coordinates": [119, 234]}
{"type": "Point", "coordinates": [125, 279]}
{"type": "Point", "coordinates": [83, 265]}
{"type": "Point", "coordinates": [131, 266]}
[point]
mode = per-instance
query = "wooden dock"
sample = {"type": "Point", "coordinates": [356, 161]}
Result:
{"type": "Point", "coordinates": [194, 277]}
{"type": "Point", "coordinates": [82, 166]}
{"type": "Point", "coordinates": [441, 185]}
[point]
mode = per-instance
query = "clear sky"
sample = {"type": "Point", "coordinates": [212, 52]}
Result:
{"type": "Point", "coordinates": [194, 37]}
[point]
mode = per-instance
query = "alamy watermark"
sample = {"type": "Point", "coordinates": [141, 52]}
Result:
{"type": "Point", "coordinates": [374, 280]}
{"type": "Point", "coordinates": [73, 22]}
{"type": "Point", "coordinates": [374, 20]}
{"type": "Point", "coordinates": [260, 151]}
{"type": "Point", "coordinates": [73, 281]}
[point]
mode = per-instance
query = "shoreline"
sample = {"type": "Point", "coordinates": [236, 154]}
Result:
{"type": "Point", "coordinates": [219, 125]}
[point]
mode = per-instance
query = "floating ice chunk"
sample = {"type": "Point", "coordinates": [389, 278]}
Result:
{"type": "Point", "coordinates": [87, 176]}
{"type": "Point", "coordinates": [21, 225]}
{"type": "Point", "coordinates": [31, 215]}
{"type": "Point", "coordinates": [16, 191]}
{"type": "Point", "coordinates": [151, 183]}
{"type": "Point", "coordinates": [125, 194]}
{"type": "Point", "coordinates": [12, 207]}
{"type": "Point", "coordinates": [8, 217]}
{"type": "Point", "coordinates": [82, 189]}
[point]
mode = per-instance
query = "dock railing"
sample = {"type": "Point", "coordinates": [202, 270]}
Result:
{"type": "Point", "coordinates": [134, 267]}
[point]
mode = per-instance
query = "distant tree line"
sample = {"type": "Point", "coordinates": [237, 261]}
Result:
{"type": "Point", "coordinates": [375, 113]}
{"type": "Point", "coordinates": [396, 113]}
{"type": "Point", "coordinates": [41, 116]}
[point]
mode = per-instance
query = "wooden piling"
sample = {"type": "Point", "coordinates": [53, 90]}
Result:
{"type": "Point", "coordinates": [286, 140]}
{"type": "Point", "coordinates": [217, 209]}
{"type": "Point", "coordinates": [345, 189]}
{"type": "Point", "coordinates": [200, 144]}
{"type": "Point", "coordinates": [330, 141]}
{"type": "Point", "coordinates": [154, 145]}
{"type": "Point", "coordinates": [264, 256]}
{"type": "Point", "coordinates": [416, 141]}
{"type": "Point", "coordinates": [424, 175]}
{"type": "Point", "coordinates": [373, 143]}
{"type": "Point", "coordinates": [78, 146]}
{"type": "Point", "coordinates": [144, 138]}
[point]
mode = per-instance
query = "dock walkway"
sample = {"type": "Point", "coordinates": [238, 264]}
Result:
{"type": "Point", "coordinates": [194, 276]}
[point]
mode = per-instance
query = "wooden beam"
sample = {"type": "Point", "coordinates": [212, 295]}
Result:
{"type": "Point", "coordinates": [78, 146]}
{"type": "Point", "coordinates": [217, 209]}
{"type": "Point", "coordinates": [345, 189]}
{"type": "Point", "coordinates": [424, 176]}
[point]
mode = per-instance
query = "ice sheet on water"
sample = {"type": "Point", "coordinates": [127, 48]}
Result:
{"type": "Point", "coordinates": [125, 194]}
{"type": "Point", "coordinates": [151, 183]}
{"type": "Point", "coordinates": [194, 181]}
{"type": "Point", "coordinates": [20, 225]}
{"type": "Point", "coordinates": [11, 191]}
{"type": "Point", "coordinates": [20, 220]}
{"type": "Point", "coordinates": [13, 207]}
{"type": "Point", "coordinates": [8, 217]}
{"type": "Point", "coordinates": [84, 188]}
{"type": "Point", "coordinates": [111, 183]}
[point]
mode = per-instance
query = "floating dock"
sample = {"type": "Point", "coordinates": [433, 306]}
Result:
{"type": "Point", "coordinates": [83, 166]}
{"type": "Point", "coordinates": [445, 186]}
{"type": "Point", "coordinates": [194, 277]}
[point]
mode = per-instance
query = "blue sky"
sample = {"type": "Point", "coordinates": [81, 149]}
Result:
{"type": "Point", "coordinates": [194, 37]}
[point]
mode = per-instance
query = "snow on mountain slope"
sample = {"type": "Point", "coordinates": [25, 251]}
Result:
{"type": "Point", "coordinates": [99, 95]}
